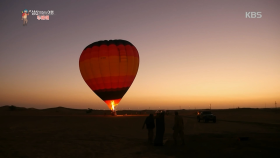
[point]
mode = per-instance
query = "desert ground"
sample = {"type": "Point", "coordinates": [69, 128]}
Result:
{"type": "Point", "coordinates": [70, 133]}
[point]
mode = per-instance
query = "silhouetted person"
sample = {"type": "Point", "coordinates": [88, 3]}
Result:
{"type": "Point", "coordinates": [178, 128]}
{"type": "Point", "coordinates": [150, 125]}
{"type": "Point", "coordinates": [160, 128]}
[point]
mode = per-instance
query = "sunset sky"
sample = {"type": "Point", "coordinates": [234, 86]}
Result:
{"type": "Point", "coordinates": [192, 52]}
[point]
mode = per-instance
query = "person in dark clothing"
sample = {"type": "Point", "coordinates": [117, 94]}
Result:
{"type": "Point", "coordinates": [178, 128]}
{"type": "Point", "coordinates": [160, 129]}
{"type": "Point", "coordinates": [150, 125]}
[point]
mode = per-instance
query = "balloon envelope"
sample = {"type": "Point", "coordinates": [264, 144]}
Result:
{"type": "Point", "coordinates": [109, 68]}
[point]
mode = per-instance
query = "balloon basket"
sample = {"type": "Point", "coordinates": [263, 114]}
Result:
{"type": "Point", "coordinates": [113, 113]}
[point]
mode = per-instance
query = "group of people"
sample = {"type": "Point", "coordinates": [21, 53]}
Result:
{"type": "Point", "coordinates": [178, 128]}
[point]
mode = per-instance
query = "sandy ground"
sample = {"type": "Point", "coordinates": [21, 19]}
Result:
{"type": "Point", "coordinates": [59, 132]}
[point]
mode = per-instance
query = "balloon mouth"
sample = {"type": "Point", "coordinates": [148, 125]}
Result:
{"type": "Point", "coordinates": [112, 104]}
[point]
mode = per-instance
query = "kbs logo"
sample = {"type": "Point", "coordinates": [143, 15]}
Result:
{"type": "Point", "coordinates": [253, 14]}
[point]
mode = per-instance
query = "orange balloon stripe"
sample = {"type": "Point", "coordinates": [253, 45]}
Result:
{"type": "Point", "coordinates": [113, 81]}
{"type": "Point", "coordinates": [93, 54]}
{"type": "Point", "coordinates": [114, 65]}
{"type": "Point", "coordinates": [131, 67]}
{"type": "Point", "coordinates": [86, 74]}
{"type": "Point", "coordinates": [89, 71]}
{"type": "Point", "coordinates": [136, 63]}
{"type": "Point", "coordinates": [104, 65]}
{"type": "Point", "coordinates": [123, 65]}
{"type": "Point", "coordinates": [95, 67]}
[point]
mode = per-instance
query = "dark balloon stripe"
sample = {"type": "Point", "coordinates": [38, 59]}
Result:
{"type": "Point", "coordinates": [108, 42]}
{"type": "Point", "coordinates": [114, 80]}
{"type": "Point", "coordinates": [111, 94]}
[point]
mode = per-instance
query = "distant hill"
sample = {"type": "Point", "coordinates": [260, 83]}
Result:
{"type": "Point", "coordinates": [12, 108]}
{"type": "Point", "coordinates": [62, 109]}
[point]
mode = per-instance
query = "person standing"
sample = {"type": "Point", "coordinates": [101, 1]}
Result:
{"type": "Point", "coordinates": [150, 125]}
{"type": "Point", "coordinates": [178, 128]}
{"type": "Point", "coordinates": [160, 129]}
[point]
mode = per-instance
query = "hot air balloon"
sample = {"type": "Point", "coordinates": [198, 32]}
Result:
{"type": "Point", "coordinates": [109, 68]}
